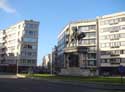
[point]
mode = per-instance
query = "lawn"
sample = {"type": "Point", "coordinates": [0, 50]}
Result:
{"type": "Point", "coordinates": [77, 78]}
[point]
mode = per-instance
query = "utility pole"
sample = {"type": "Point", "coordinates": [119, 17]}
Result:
{"type": "Point", "coordinates": [51, 65]}
{"type": "Point", "coordinates": [17, 67]}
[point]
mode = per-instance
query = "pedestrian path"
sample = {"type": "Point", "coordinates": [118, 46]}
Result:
{"type": "Point", "coordinates": [7, 75]}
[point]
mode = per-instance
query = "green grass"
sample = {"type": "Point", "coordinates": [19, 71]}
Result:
{"type": "Point", "coordinates": [77, 78]}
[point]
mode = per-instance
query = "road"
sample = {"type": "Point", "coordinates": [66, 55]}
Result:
{"type": "Point", "coordinates": [31, 85]}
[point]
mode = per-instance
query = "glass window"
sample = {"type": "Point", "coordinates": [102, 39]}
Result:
{"type": "Point", "coordinates": [122, 35]}
{"type": "Point", "coordinates": [122, 60]}
{"type": "Point", "coordinates": [91, 62]}
{"type": "Point", "coordinates": [122, 27]}
{"type": "Point", "coordinates": [29, 40]}
{"type": "Point", "coordinates": [123, 19]}
{"type": "Point", "coordinates": [34, 47]}
{"type": "Point", "coordinates": [122, 43]}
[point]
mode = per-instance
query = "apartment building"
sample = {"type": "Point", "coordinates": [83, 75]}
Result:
{"type": "Point", "coordinates": [62, 41]}
{"type": "Point", "coordinates": [68, 50]}
{"type": "Point", "coordinates": [102, 48]}
{"type": "Point", "coordinates": [55, 64]}
{"type": "Point", "coordinates": [47, 63]}
{"type": "Point", "coordinates": [112, 42]}
{"type": "Point", "coordinates": [18, 46]}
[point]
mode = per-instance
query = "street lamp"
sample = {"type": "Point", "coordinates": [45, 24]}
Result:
{"type": "Point", "coordinates": [17, 67]}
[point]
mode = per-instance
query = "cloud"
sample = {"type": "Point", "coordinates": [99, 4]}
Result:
{"type": "Point", "coordinates": [4, 5]}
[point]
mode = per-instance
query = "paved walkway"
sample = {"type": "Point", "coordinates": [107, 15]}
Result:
{"type": "Point", "coordinates": [7, 75]}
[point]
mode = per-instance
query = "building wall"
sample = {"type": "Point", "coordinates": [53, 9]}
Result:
{"type": "Point", "coordinates": [18, 44]}
{"type": "Point", "coordinates": [47, 60]}
{"type": "Point", "coordinates": [112, 40]}
{"type": "Point", "coordinates": [60, 47]}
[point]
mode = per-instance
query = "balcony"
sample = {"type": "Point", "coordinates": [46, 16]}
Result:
{"type": "Point", "coordinates": [114, 55]}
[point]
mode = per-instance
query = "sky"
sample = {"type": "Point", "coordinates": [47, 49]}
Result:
{"type": "Point", "coordinates": [53, 15]}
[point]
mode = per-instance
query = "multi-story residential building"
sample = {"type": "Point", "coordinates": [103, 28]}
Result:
{"type": "Point", "coordinates": [47, 62]}
{"type": "Point", "coordinates": [18, 46]}
{"type": "Point", "coordinates": [102, 48]}
{"type": "Point", "coordinates": [112, 42]}
{"type": "Point", "coordinates": [55, 66]}
{"type": "Point", "coordinates": [60, 47]}
{"type": "Point", "coordinates": [77, 60]}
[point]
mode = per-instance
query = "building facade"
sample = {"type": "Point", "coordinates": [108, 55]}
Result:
{"type": "Point", "coordinates": [62, 41]}
{"type": "Point", "coordinates": [112, 42]}
{"type": "Point", "coordinates": [18, 46]}
{"type": "Point", "coordinates": [47, 63]}
{"type": "Point", "coordinates": [72, 58]}
{"type": "Point", "coordinates": [103, 41]}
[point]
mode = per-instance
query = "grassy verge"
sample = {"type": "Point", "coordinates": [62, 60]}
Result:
{"type": "Point", "coordinates": [77, 78]}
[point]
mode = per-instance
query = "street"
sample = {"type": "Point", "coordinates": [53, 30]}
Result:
{"type": "Point", "coordinates": [30, 85]}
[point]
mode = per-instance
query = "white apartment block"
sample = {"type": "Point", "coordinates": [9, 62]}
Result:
{"type": "Point", "coordinates": [18, 45]}
{"type": "Point", "coordinates": [112, 41]}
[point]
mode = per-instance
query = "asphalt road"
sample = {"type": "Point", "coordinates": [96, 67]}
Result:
{"type": "Point", "coordinates": [30, 85]}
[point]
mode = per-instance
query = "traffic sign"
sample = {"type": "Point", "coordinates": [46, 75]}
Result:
{"type": "Point", "coordinates": [121, 69]}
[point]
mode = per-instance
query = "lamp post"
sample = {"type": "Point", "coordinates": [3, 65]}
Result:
{"type": "Point", "coordinates": [51, 68]}
{"type": "Point", "coordinates": [17, 67]}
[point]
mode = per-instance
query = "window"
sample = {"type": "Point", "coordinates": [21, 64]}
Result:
{"type": "Point", "coordinates": [23, 53]}
{"type": "Point", "coordinates": [92, 56]}
{"type": "Point", "coordinates": [122, 35]}
{"type": "Point", "coordinates": [122, 60]}
{"type": "Point", "coordinates": [115, 53]}
{"type": "Point", "coordinates": [115, 44]}
{"type": "Point", "coordinates": [92, 48]}
{"type": "Point", "coordinates": [111, 29]}
{"type": "Point", "coordinates": [122, 43]}
{"type": "Point", "coordinates": [29, 40]}
{"type": "Point", "coordinates": [86, 28]}
{"type": "Point", "coordinates": [104, 61]}
{"type": "Point", "coordinates": [29, 54]}
{"type": "Point", "coordinates": [83, 28]}
{"type": "Point", "coordinates": [91, 62]}
{"type": "Point", "coordinates": [92, 41]}
{"type": "Point", "coordinates": [115, 61]}
{"type": "Point", "coordinates": [114, 36]}
{"type": "Point", "coordinates": [122, 19]}
{"type": "Point", "coordinates": [34, 47]}
{"type": "Point", "coordinates": [103, 45]}
{"type": "Point", "coordinates": [122, 27]}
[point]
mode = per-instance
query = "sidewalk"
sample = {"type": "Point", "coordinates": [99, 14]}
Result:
{"type": "Point", "coordinates": [95, 85]}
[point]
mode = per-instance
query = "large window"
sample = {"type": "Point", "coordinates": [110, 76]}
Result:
{"type": "Point", "coordinates": [29, 39]}
{"type": "Point", "coordinates": [30, 32]}
{"type": "Point", "coordinates": [92, 49]}
{"type": "Point", "coordinates": [91, 34]}
{"type": "Point", "coordinates": [112, 21]}
{"type": "Point", "coordinates": [111, 29]}
{"type": "Point", "coordinates": [92, 62]}
{"type": "Point", "coordinates": [115, 44]}
{"type": "Point", "coordinates": [86, 28]}
{"type": "Point", "coordinates": [122, 43]}
{"type": "Point", "coordinates": [31, 26]}
{"type": "Point", "coordinates": [29, 54]}
{"type": "Point", "coordinates": [88, 41]}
